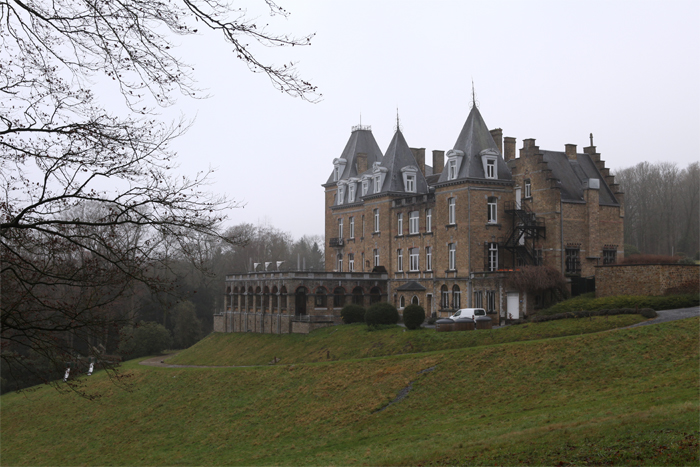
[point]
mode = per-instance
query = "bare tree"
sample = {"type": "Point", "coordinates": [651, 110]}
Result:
{"type": "Point", "coordinates": [87, 196]}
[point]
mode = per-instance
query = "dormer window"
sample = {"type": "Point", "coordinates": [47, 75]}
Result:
{"type": "Point", "coordinates": [341, 191]}
{"type": "Point", "coordinates": [351, 193]}
{"type": "Point", "coordinates": [409, 178]}
{"type": "Point", "coordinates": [365, 185]}
{"type": "Point", "coordinates": [378, 174]}
{"type": "Point", "coordinates": [489, 158]}
{"type": "Point", "coordinates": [454, 161]}
{"type": "Point", "coordinates": [338, 168]}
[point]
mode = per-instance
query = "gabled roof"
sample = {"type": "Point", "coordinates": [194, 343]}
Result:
{"type": "Point", "coordinates": [474, 138]}
{"type": "Point", "coordinates": [411, 286]}
{"type": "Point", "coordinates": [572, 175]}
{"type": "Point", "coordinates": [399, 156]}
{"type": "Point", "coordinates": [361, 141]}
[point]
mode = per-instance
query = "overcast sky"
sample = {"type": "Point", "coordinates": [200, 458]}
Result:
{"type": "Point", "coordinates": [628, 72]}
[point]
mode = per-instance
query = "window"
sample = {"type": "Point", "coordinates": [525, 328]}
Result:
{"type": "Point", "coordinates": [320, 298]}
{"type": "Point", "coordinates": [451, 211]}
{"type": "Point", "coordinates": [573, 261]}
{"type": "Point", "coordinates": [452, 170]}
{"type": "Point", "coordinates": [336, 173]}
{"type": "Point", "coordinates": [491, 168]}
{"type": "Point", "coordinates": [428, 220]}
{"type": "Point", "coordinates": [377, 184]}
{"type": "Point", "coordinates": [428, 258]}
{"type": "Point", "coordinates": [451, 257]}
{"type": "Point", "coordinates": [338, 297]}
{"type": "Point", "coordinates": [365, 186]}
{"type": "Point", "coordinates": [609, 256]}
{"type": "Point", "coordinates": [357, 296]}
{"type": "Point", "coordinates": [352, 227]}
{"type": "Point", "coordinates": [456, 297]}
{"type": "Point", "coordinates": [399, 223]}
{"type": "Point", "coordinates": [402, 302]}
{"type": "Point", "coordinates": [351, 193]}
{"type": "Point", "coordinates": [539, 259]}
{"type": "Point", "coordinates": [376, 257]}
{"type": "Point", "coordinates": [413, 222]}
{"type": "Point", "coordinates": [410, 183]}
{"type": "Point", "coordinates": [341, 194]}
{"type": "Point", "coordinates": [445, 297]}
{"type": "Point", "coordinates": [413, 265]}
{"type": "Point", "coordinates": [414, 300]}
{"type": "Point", "coordinates": [340, 227]}
{"type": "Point", "coordinates": [351, 262]}
{"type": "Point", "coordinates": [376, 220]}
{"type": "Point", "coordinates": [399, 260]}
{"type": "Point", "coordinates": [493, 257]}
{"type": "Point", "coordinates": [339, 263]}
{"type": "Point", "coordinates": [490, 301]}
{"type": "Point", "coordinates": [492, 210]}
{"type": "Point", "coordinates": [478, 299]}
{"type": "Point", "coordinates": [528, 189]}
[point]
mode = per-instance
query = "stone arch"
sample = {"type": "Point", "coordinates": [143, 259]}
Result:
{"type": "Point", "coordinates": [358, 296]}
{"type": "Point", "coordinates": [414, 300]}
{"type": "Point", "coordinates": [338, 297]}
{"type": "Point", "coordinates": [300, 301]}
{"type": "Point", "coordinates": [444, 297]}
{"type": "Point", "coordinates": [266, 298]}
{"type": "Point", "coordinates": [321, 297]}
{"type": "Point", "coordinates": [283, 298]}
{"type": "Point", "coordinates": [375, 295]}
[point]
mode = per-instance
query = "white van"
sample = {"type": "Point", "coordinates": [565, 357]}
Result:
{"type": "Point", "coordinates": [472, 313]}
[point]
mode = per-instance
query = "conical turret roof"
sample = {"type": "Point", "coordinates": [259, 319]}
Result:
{"type": "Point", "coordinates": [399, 156]}
{"type": "Point", "coordinates": [361, 141]}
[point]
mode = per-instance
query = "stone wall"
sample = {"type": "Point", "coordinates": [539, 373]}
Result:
{"type": "Point", "coordinates": [645, 279]}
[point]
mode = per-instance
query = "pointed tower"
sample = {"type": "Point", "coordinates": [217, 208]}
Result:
{"type": "Point", "coordinates": [399, 172]}
{"type": "Point", "coordinates": [359, 155]}
{"type": "Point", "coordinates": [475, 154]}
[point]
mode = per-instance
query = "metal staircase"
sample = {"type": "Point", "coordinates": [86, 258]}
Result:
{"type": "Point", "coordinates": [527, 229]}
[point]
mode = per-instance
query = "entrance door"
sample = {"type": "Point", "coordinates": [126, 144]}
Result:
{"type": "Point", "coordinates": [513, 306]}
{"type": "Point", "coordinates": [300, 301]}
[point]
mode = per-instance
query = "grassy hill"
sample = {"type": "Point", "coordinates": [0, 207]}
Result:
{"type": "Point", "coordinates": [357, 341]}
{"type": "Point", "coordinates": [619, 397]}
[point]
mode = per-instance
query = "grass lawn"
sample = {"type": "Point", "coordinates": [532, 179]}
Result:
{"type": "Point", "coordinates": [356, 341]}
{"type": "Point", "coordinates": [624, 397]}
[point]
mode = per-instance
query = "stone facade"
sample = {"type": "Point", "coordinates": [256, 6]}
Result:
{"type": "Point", "coordinates": [646, 279]}
{"type": "Point", "coordinates": [444, 236]}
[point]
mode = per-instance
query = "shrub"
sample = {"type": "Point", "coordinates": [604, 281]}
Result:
{"type": "Point", "coordinates": [381, 313]}
{"type": "Point", "coordinates": [352, 314]}
{"type": "Point", "coordinates": [144, 339]}
{"type": "Point", "coordinates": [413, 316]}
{"type": "Point", "coordinates": [645, 312]}
{"type": "Point", "coordinates": [635, 302]}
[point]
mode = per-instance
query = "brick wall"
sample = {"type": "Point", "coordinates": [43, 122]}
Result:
{"type": "Point", "coordinates": [644, 279]}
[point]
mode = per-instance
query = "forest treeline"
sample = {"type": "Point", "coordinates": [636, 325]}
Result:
{"type": "Point", "coordinates": [662, 208]}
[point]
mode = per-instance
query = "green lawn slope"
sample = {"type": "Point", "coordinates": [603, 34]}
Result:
{"type": "Point", "coordinates": [623, 397]}
{"type": "Point", "coordinates": [357, 341]}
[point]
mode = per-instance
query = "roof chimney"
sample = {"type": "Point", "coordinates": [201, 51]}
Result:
{"type": "Point", "coordinates": [361, 159]}
{"type": "Point", "coordinates": [497, 135]}
{"type": "Point", "coordinates": [509, 143]}
{"type": "Point", "coordinates": [419, 155]}
{"type": "Point", "coordinates": [438, 161]}
{"type": "Point", "coordinates": [570, 151]}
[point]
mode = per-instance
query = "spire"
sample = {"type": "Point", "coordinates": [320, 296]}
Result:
{"type": "Point", "coordinates": [474, 103]}
{"type": "Point", "coordinates": [398, 122]}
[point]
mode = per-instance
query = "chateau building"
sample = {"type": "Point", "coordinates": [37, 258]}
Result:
{"type": "Point", "coordinates": [445, 235]}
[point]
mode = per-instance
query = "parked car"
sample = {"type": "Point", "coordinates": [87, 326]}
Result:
{"type": "Point", "coordinates": [472, 313]}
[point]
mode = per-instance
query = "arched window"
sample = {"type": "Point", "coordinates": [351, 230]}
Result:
{"type": "Point", "coordinates": [227, 298]}
{"type": "Point", "coordinates": [320, 298]}
{"type": "Point", "coordinates": [375, 295]}
{"type": "Point", "coordinates": [414, 300]}
{"type": "Point", "coordinates": [266, 298]}
{"type": "Point", "coordinates": [358, 296]}
{"type": "Point", "coordinates": [444, 297]}
{"type": "Point", "coordinates": [456, 297]}
{"type": "Point", "coordinates": [275, 298]}
{"type": "Point", "coordinates": [250, 298]}
{"type": "Point", "coordinates": [338, 297]}
{"type": "Point", "coordinates": [258, 297]}
{"type": "Point", "coordinates": [235, 297]}
{"type": "Point", "coordinates": [402, 302]}
{"type": "Point", "coordinates": [283, 298]}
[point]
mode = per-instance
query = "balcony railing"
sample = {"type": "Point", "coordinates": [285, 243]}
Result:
{"type": "Point", "coordinates": [335, 242]}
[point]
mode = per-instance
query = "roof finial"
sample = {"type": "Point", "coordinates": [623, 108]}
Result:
{"type": "Point", "coordinates": [474, 103]}
{"type": "Point", "coordinates": [591, 139]}
{"type": "Point", "coordinates": [398, 123]}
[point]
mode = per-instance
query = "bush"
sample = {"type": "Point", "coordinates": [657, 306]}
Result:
{"type": "Point", "coordinates": [381, 313]}
{"type": "Point", "coordinates": [590, 303]}
{"type": "Point", "coordinates": [143, 340]}
{"type": "Point", "coordinates": [413, 316]}
{"type": "Point", "coordinates": [645, 312]}
{"type": "Point", "coordinates": [353, 314]}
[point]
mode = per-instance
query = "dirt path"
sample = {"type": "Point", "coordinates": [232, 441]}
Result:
{"type": "Point", "coordinates": [160, 361]}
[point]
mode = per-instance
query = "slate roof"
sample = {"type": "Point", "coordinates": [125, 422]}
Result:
{"type": "Point", "coordinates": [572, 174]}
{"type": "Point", "coordinates": [411, 286]}
{"type": "Point", "coordinates": [474, 138]}
{"type": "Point", "coordinates": [397, 156]}
{"type": "Point", "coordinates": [361, 141]}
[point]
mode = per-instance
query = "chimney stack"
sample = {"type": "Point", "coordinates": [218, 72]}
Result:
{"type": "Point", "coordinates": [570, 151]}
{"type": "Point", "coordinates": [438, 161]}
{"type": "Point", "coordinates": [497, 135]}
{"type": "Point", "coordinates": [361, 159]}
{"type": "Point", "coordinates": [419, 155]}
{"type": "Point", "coordinates": [509, 143]}
{"type": "Point", "coordinates": [529, 147]}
